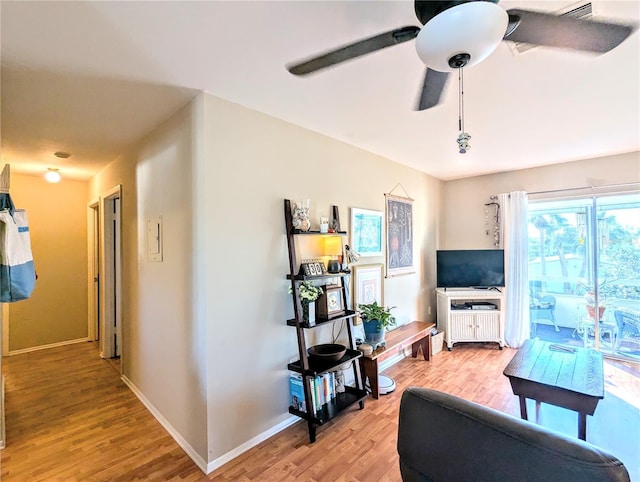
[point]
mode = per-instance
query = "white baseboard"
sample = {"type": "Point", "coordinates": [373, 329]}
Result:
{"type": "Point", "coordinates": [190, 451]}
{"type": "Point", "coordinates": [207, 468]}
{"type": "Point", "coordinates": [249, 444]}
{"type": "Point", "coordinates": [44, 347]}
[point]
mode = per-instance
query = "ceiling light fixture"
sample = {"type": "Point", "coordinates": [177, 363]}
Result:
{"type": "Point", "coordinates": [479, 27]}
{"type": "Point", "coordinates": [52, 175]}
{"type": "Point", "coordinates": [62, 155]}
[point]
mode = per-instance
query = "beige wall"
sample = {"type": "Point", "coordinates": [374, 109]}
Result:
{"type": "Point", "coordinates": [463, 225]}
{"type": "Point", "coordinates": [204, 332]}
{"type": "Point", "coordinates": [250, 163]}
{"type": "Point", "coordinates": [160, 357]}
{"type": "Point", "coordinates": [122, 173]}
{"type": "Point", "coordinates": [57, 309]}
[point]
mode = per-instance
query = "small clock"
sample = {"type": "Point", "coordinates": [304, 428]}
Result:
{"type": "Point", "coordinates": [313, 269]}
{"type": "Point", "coordinates": [331, 302]}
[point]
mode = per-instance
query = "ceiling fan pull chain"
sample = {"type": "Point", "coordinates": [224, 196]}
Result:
{"type": "Point", "coordinates": [463, 138]}
{"type": "Point", "coordinates": [459, 104]}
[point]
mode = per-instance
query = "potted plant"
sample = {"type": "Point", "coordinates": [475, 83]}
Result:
{"type": "Point", "coordinates": [376, 319]}
{"type": "Point", "coordinates": [590, 299]}
{"type": "Point", "coordinates": [308, 295]}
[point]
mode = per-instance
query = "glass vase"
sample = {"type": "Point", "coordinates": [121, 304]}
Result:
{"type": "Point", "coordinates": [309, 312]}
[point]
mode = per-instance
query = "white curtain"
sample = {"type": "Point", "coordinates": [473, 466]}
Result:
{"type": "Point", "coordinates": [513, 239]}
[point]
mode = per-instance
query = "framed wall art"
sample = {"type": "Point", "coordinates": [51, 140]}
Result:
{"type": "Point", "coordinates": [368, 285]}
{"type": "Point", "coordinates": [366, 232]}
{"type": "Point", "coordinates": [399, 235]}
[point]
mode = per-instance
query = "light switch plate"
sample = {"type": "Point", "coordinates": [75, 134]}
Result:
{"type": "Point", "coordinates": [154, 239]}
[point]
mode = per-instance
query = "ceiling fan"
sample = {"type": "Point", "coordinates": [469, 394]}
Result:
{"type": "Point", "coordinates": [457, 34]}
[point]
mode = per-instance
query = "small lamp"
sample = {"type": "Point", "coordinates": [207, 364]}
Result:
{"type": "Point", "coordinates": [333, 249]}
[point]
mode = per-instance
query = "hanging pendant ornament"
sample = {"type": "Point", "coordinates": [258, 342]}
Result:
{"type": "Point", "coordinates": [463, 137]}
{"type": "Point", "coordinates": [463, 142]}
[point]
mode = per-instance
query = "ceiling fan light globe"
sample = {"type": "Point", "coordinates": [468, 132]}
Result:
{"type": "Point", "coordinates": [476, 28]}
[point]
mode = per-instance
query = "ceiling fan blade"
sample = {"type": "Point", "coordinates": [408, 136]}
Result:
{"type": "Point", "coordinates": [434, 82]}
{"type": "Point", "coordinates": [354, 50]}
{"type": "Point", "coordinates": [560, 31]}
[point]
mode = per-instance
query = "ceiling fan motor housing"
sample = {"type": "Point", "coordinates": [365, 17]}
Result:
{"type": "Point", "coordinates": [474, 28]}
{"type": "Point", "coordinates": [427, 9]}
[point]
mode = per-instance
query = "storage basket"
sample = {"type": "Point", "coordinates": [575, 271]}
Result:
{"type": "Point", "coordinates": [436, 342]}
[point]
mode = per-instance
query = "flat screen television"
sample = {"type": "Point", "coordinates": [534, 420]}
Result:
{"type": "Point", "coordinates": [470, 268]}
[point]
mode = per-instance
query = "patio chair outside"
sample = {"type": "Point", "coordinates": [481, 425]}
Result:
{"type": "Point", "coordinates": [628, 324]}
{"type": "Point", "coordinates": [542, 307]}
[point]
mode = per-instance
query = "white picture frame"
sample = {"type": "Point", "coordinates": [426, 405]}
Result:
{"type": "Point", "coordinates": [368, 284]}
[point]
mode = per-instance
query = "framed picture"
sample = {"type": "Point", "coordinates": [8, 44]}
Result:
{"type": "Point", "coordinates": [367, 285]}
{"type": "Point", "coordinates": [366, 232]}
{"type": "Point", "coordinates": [399, 235]}
{"type": "Point", "coordinates": [331, 302]}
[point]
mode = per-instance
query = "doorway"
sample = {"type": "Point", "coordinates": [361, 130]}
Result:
{"type": "Point", "coordinates": [109, 280]}
{"type": "Point", "coordinates": [93, 288]}
{"type": "Point", "coordinates": [584, 272]}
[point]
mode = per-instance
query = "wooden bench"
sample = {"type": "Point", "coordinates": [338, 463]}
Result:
{"type": "Point", "coordinates": [417, 334]}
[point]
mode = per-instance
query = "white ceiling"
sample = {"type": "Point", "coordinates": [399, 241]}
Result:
{"type": "Point", "coordinates": [90, 78]}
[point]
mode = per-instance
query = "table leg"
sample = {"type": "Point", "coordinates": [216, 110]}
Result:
{"type": "Point", "coordinates": [523, 407]}
{"type": "Point", "coordinates": [426, 347]}
{"type": "Point", "coordinates": [582, 426]}
{"type": "Point", "coordinates": [425, 344]}
{"type": "Point", "coordinates": [415, 348]}
{"type": "Point", "coordinates": [370, 369]}
{"type": "Point", "coordinates": [373, 382]}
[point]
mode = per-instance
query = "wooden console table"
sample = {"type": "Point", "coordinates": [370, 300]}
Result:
{"type": "Point", "coordinates": [566, 377]}
{"type": "Point", "coordinates": [417, 334]}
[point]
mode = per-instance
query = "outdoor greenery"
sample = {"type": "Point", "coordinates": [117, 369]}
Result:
{"type": "Point", "coordinates": [560, 241]}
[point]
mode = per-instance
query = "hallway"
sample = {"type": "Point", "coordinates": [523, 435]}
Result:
{"type": "Point", "coordinates": [70, 417]}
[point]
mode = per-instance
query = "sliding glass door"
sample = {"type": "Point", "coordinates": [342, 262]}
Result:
{"type": "Point", "coordinates": [584, 272]}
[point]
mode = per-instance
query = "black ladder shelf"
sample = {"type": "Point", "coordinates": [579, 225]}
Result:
{"type": "Point", "coordinates": [309, 367]}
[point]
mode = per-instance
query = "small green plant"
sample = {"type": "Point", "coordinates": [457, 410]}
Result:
{"type": "Point", "coordinates": [308, 292]}
{"type": "Point", "coordinates": [373, 311]}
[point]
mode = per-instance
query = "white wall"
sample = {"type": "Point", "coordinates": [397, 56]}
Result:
{"type": "Point", "coordinates": [463, 224]}
{"type": "Point", "coordinates": [251, 162]}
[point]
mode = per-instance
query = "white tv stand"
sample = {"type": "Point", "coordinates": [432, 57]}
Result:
{"type": "Point", "coordinates": [464, 323]}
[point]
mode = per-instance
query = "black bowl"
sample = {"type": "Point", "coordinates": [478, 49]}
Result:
{"type": "Point", "coordinates": [328, 352]}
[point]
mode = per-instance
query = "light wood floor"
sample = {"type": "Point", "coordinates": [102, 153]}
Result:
{"type": "Point", "coordinates": [69, 417]}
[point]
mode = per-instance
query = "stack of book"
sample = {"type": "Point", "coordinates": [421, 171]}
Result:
{"type": "Point", "coordinates": [323, 390]}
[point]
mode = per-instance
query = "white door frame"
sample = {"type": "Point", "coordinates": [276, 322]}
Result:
{"type": "Point", "coordinates": [93, 277]}
{"type": "Point", "coordinates": [111, 273]}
